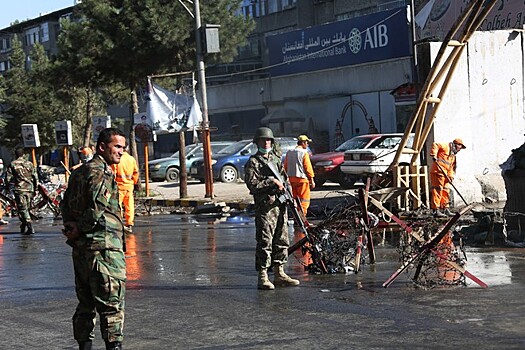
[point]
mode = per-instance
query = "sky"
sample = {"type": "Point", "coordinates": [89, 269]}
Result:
{"type": "Point", "coordinates": [22, 10]}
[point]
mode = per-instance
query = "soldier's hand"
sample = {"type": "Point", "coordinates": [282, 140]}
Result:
{"type": "Point", "coordinates": [279, 184]}
{"type": "Point", "coordinates": [312, 183]}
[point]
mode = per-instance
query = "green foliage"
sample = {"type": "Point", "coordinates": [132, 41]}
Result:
{"type": "Point", "coordinates": [3, 120]}
{"type": "Point", "coordinates": [135, 39]}
{"type": "Point", "coordinates": [31, 98]}
{"type": "Point", "coordinates": [103, 56]}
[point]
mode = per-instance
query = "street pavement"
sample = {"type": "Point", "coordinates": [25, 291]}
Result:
{"type": "Point", "coordinates": [192, 285]}
{"type": "Point", "coordinates": [234, 194]}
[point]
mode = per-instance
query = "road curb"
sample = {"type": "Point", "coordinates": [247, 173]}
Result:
{"type": "Point", "coordinates": [149, 202]}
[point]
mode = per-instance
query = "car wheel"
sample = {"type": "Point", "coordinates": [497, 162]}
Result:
{"type": "Point", "coordinates": [228, 173]}
{"type": "Point", "coordinates": [347, 181]}
{"type": "Point", "coordinates": [172, 175]}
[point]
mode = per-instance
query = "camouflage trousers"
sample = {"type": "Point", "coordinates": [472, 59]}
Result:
{"type": "Point", "coordinates": [100, 284]}
{"type": "Point", "coordinates": [23, 204]}
{"type": "Point", "coordinates": [271, 234]}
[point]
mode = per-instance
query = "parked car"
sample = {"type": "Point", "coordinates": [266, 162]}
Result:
{"type": "Point", "coordinates": [327, 166]}
{"type": "Point", "coordinates": [228, 164]}
{"type": "Point", "coordinates": [376, 158]}
{"type": "Point", "coordinates": [169, 168]}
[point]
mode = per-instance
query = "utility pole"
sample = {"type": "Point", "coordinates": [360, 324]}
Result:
{"type": "Point", "coordinates": [201, 78]}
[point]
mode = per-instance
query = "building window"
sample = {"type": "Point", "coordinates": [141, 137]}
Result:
{"type": "Point", "coordinates": [5, 44]}
{"type": "Point", "coordinates": [4, 66]}
{"type": "Point", "coordinates": [44, 29]}
{"type": "Point", "coordinates": [32, 36]}
{"type": "Point", "coordinates": [273, 6]}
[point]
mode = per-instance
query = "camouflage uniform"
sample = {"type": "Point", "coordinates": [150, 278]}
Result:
{"type": "Point", "coordinates": [22, 173]}
{"type": "Point", "coordinates": [271, 231]}
{"type": "Point", "coordinates": [91, 200]}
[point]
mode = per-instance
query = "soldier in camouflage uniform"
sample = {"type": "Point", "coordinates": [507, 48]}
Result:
{"type": "Point", "coordinates": [23, 175]}
{"type": "Point", "coordinates": [93, 227]}
{"type": "Point", "coordinates": [271, 230]}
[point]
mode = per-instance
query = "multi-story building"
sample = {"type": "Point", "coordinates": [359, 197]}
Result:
{"type": "Point", "coordinates": [43, 29]}
{"type": "Point", "coordinates": [325, 67]}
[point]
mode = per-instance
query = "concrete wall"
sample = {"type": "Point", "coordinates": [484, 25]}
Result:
{"type": "Point", "coordinates": [484, 106]}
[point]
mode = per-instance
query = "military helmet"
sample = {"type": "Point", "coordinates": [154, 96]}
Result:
{"type": "Point", "coordinates": [263, 132]}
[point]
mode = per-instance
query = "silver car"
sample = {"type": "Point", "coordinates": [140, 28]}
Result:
{"type": "Point", "coordinates": [377, 157]}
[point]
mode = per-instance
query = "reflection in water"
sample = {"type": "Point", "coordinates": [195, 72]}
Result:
{"type": "Point", "coordinates": [212, 255]}
{"type": "Point", "coordinates": [133, 266]}
{"type": "Point", "coordinates": [493, 269]}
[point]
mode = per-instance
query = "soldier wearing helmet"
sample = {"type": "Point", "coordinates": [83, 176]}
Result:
{"type": "Point", "coordinates": [442, 172]}
{"type": "Point", "coordinates": [271, 231]}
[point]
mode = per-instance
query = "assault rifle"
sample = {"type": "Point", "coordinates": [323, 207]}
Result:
{"type": "Point", "coordinates": [300, 220]}
{"type": "Point", "coordinates": [286, 197]}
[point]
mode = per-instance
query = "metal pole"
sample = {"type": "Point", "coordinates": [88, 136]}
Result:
{"type": "Point", "coordinates": [205, 127]}
{"type": "Point", "coordinates": [146, 167]}
{"type": "Point", "coordinates": [183, 176]}
{"type": "Point", "coordinates": [66, 162]}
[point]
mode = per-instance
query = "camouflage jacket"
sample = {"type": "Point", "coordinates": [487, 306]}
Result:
{"type": "Point", "coordinates": [259, 179]}
{"type": "Point", "coordinates": [22, 174]}
{"type": "Point", "coordinates": [91, 200]}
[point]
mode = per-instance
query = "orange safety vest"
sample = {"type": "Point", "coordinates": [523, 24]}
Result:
{"type": "Point", "coordinates": [126, 172]}
{"type": "Point", "coordinates": [444, 157]}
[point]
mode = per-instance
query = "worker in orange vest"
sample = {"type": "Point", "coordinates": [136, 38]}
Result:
{"type": "Point", "coordinates": [442, 173]}
{"type": "Point", "coordinates": [127, 176]}
{"type": "Point", "coordinates": [300, 171]}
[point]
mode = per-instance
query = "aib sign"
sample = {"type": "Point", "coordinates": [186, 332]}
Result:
{"type": "Point", "coordinates": [379, 36]}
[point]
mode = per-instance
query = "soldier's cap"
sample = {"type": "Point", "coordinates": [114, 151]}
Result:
{"type": "Point", "coordinates": [304, 138]}
{"type": "Point", "coordinates": [459, 141]}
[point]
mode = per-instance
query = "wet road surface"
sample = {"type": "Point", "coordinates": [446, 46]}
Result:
{"type": "Point", "coordinates": [192, 285]}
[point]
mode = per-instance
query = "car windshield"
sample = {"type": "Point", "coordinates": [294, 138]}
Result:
{"type": "Point", "coordinates": [390, 142]}
{"type": "Point", "coordinates": [189, 148]}
{"type": "Point", "coordinates": [231, 149]}
{"type": "Point", "coordinates": [358, 142]}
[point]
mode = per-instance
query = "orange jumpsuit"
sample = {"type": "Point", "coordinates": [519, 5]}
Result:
{"type": "Point", "coordinates": [438, 181]}
{"type": "Point", "coordinates": [127, 176]}
{"type": "Point", "coordinates": [300, 172]}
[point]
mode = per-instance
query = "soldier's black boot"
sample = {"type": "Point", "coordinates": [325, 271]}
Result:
{"type": "Point", "coordinates": [23, 227]}
{"type": "Point", "coordinates": [85, 345]}
{"type": "Point", "coordinates": [30, 230]}
{"type": "Point", "coordinates": [115, 345]}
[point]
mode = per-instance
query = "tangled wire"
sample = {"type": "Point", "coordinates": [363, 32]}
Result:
{"type": "Point", "coordinates": [338, 244]}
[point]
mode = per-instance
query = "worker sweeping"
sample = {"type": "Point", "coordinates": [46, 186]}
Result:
{"type": "Point", "coordinates": [442, 174]}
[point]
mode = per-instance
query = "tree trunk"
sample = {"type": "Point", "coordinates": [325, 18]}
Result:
{"type": "Point", "coordinates": [89, 118]}
{"type": "Point", "coordinates": [134, 109]}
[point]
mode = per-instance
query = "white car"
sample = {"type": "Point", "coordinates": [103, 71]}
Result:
{"type": "Point", "coordinates": [377, 157]}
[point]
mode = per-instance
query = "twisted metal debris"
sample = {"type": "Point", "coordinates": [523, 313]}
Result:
{"type": "Point", "coordinates": [426, 247]}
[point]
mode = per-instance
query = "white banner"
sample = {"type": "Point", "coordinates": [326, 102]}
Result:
{"type": "Point", "coordinates": [170, 112]}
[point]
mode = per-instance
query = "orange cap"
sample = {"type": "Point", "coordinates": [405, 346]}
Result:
{"type": "Point", "coordinates": [86, 150]}
{"type": "Point", "coordinates": [459, 141]}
